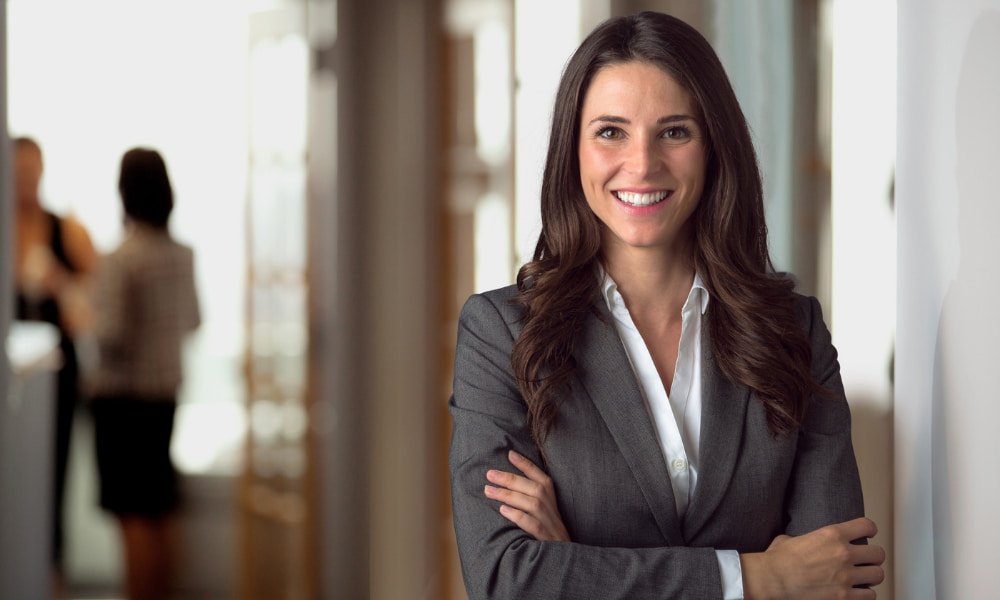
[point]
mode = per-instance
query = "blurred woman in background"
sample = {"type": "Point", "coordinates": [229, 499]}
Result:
{"type": "Point", "coordinates": [54, 260]}
{"type": "Point", "coordinates": [146, 304]}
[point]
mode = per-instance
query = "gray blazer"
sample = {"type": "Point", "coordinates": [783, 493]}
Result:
{"type": "Point", "coordinates": [610, 477]}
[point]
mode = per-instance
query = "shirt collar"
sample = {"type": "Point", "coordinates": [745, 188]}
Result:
{"type": "Point", "coordinates": [609, 291]}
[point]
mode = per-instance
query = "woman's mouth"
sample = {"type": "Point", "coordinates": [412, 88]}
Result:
{"type": "Point", "coordinates": [642, 199]}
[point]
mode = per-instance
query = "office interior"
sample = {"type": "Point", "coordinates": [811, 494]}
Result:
{"type": "Point", "coordinates": [348, 172]}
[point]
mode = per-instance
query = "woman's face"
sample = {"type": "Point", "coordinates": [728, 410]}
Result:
{"type": "Point", "coordinates": [27, 175]}
{"type": "Point", "coordinates": [642, 157]}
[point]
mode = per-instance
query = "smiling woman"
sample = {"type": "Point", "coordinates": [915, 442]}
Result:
{"type": "Point", "coordinates": [674, 409]}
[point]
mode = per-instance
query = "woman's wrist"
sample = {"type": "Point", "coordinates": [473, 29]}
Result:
{"type": "Point", "coordinates": [759, 582]}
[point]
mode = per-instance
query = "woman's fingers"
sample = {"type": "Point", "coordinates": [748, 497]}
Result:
{"type": "Point", "coordinates": [525, 512]}
{"type": "Point", "coordinates": [862, 527]}
{"type": "Point", "coordinates": [528, 468]}
{"type": "Point", "coordinates": [869, 575]}
{"type": "Point", "coordinates": [867, 555]}
{"type": "Point", "coordinates": [517, 500]}
{"type": "Point", "coordinates": [529, 501]}
{"type": "Point", "coordinates": [534, 479]}
{"type": "Point", "coordinates": [525, 522]}
{"type": "Point", "coordinates": [513, 482]}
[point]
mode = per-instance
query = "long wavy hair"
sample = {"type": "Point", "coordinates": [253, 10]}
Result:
{"type": "Point", "coordinates": [756, 339]}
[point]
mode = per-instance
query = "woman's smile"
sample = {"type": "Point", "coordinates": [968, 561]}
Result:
{"type": "Point", "coordinates": [642, 198]}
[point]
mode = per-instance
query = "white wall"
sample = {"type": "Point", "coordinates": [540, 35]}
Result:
{"type": "Point", "coordinates": [948, 177]}
{"type": "Point", "coordinates": [862, 310]}
{"type": "Point", "coordinates": [6, 210]}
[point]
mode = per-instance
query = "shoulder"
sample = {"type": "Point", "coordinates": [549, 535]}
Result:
{"type": "Point", "coordinates": [144, 251]}
{"type": "Point", "coordinates": [808, 314]}
{"type": "Point", "coordinates": [182, 252]}
{"type": "Point", "coordinates": [188, 254]}
{"type": "Point", "coordinates": [500, 301]}
{"type": "Point", "coordinates": [825, 364]}
{"type": "Point", "coordinates": [494, 309]}
{"type": "Point", "coordinates": [79, 247]}
{"type": "Point", "coordinates": [119, 261]}
{"type": "Point", "coordinates": [71, 226]}
{"type": "Point", "coordinates": [158, 245]}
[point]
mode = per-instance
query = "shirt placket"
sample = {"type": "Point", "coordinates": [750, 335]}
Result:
{"type": "Point", "coordinates": [667, 426]}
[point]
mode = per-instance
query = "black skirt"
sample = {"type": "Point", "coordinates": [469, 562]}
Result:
{"type": "Point", "coordinates": [132, 438]}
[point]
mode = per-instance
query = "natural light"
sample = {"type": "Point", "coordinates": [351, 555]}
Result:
{"type": "Point", "coordinates": [89, 80]}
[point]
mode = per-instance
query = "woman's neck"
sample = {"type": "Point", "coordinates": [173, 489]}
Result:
{"type": "Point", "coordinates": [651, 280]}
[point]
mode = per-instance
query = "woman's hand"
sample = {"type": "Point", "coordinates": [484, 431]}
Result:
{"type": "Point", "coordinates": [528, 501]}
{"type": "Point", "coordinates": [820, 564]}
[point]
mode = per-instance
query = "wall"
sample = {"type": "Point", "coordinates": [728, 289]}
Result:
{"type": "Point", "coordinates": [6, 210]}
{"type": "Point", "coordinates": [861, 312]}
{"type": "Point", "coordinates": [378, 299]}
{"type": "Point", "coordinates": [946, 364]}
{"type": "Point", "coordinates": [7, 460]}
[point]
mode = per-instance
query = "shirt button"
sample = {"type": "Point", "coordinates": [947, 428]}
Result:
{"type": "Point", "coordinates": [679, 464]}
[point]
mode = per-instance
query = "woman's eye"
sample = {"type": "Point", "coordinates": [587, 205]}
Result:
{"type": "Point", "coordinates": [677, 133]}
{"type": "Point", "coordinates": [609, 133]}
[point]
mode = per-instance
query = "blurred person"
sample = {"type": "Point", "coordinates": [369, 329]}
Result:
{"type": "Point", "coordinates": [147, 304]}
{"type": "Point", "coordinates": [54, 261]}
{"type": "Point", "coordinates": [651, 411]}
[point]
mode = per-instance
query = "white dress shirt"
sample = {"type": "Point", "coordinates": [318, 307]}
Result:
{"type": "Point", "coordinates": [676, 416]}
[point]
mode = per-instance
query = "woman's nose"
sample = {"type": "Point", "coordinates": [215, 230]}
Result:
{"type": "Point", "coordinates": [642, 158]}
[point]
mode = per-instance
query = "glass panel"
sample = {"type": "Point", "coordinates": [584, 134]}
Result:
{"type": "Point", "coordinates": [274, 481]}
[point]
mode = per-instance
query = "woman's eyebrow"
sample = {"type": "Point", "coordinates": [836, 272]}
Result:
{"type": "Point", "coordinates": [674, 119]}
{"type": "Point", "coordinates": [624, 121]}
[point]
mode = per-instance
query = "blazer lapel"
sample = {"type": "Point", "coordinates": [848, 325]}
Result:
{"type": "Point", "coordinates": [606, 375]}
{"type": "Point", "coordinates": [724, 407]}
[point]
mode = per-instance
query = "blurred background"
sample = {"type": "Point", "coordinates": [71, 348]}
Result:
{"type": "Point", "coordinates": [349, 171]}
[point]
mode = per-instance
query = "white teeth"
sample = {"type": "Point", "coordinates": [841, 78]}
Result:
{"type": "Point", "coordinates": [641, 199]}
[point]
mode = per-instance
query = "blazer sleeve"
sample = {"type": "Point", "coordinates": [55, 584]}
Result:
{"type": "Point", "coordinates": [498, 559]}
{"type": "Point", "coordinates": [824, 487]}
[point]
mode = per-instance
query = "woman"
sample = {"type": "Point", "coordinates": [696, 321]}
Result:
{"type": "Point", "coordinates": [674, 409]}
{"type": "Point", "coordinates": [147, 304]}
{"type": "Point", "coordinates": [53, 264]}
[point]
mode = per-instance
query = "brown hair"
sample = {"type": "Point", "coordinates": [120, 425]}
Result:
{"type": "Point", "coordinates": [26, 143]}
{"type": "Point", "coordinates": [752, 306]}
{"type": "Point", "coordinates": [144, 185]}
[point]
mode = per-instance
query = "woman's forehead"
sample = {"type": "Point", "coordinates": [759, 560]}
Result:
{"type": "Point", "coordinates": [636, 87]}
